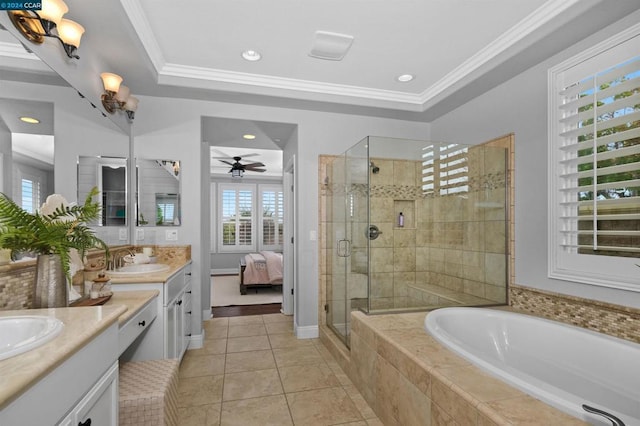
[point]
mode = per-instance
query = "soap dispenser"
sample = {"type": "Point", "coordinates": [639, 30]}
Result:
{"type": "Point", "coordinates": [400, 220]}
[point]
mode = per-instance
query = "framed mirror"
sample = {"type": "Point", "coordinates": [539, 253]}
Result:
{"type": "Point", "coordinates": [159, 192]}
{"type": "Point", "coordinates": [109, 174]}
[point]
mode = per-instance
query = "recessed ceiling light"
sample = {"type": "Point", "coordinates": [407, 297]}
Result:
{"type": "Point", "coordinates": [404, 78]}
{"type": "Point", "coordinates": [30, 120]}
{"type": "Point", "coordinates": [249, 137]}
{"type": "Point", "coordinates": [251, 55]}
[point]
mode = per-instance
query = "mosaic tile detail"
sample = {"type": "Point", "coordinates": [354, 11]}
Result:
{"type": "Point", "coordinates": [16, 287]}
{"type": "Point", "coordinates": [16, 279]}
{"type": "Point", "coordinates": [409, 192]}
{"type": "Point", "coordinates": [615, 320]}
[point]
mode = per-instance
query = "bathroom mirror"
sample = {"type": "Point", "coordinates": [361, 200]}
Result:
{"type": "Point", "coordinates": [27, 151]}
{"type": "Point", "coordinates": [159, 192]}
{"type": "Point", "coordinates": [109, 174]}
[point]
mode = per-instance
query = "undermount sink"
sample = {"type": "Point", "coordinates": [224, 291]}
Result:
{"type": "Point", "coordinates": [139, 269]}
{"type": "Point", "coordinates": [20, 334]}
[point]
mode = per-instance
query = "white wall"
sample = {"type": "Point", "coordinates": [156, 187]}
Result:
{"type": "Point", "coordinates": [520, 106]}
{"type": "Point", "coordinates": [5, 149]}
{"type": "Point", "coordinates": [171, 128]}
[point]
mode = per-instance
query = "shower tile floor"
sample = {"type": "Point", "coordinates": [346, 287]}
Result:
{"type": "Point", "coordinates": [252, 370]}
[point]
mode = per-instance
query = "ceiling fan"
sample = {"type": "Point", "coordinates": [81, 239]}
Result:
{"type": "Point", "coordinates": [238, 169]}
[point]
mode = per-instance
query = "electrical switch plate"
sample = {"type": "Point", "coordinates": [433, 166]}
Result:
{"type": "Point", "coordinates": [171, 235]}
{"type": "Point", "coordinates": [122, 234]}
{"type": "Point", "coordinates": [139, 234]}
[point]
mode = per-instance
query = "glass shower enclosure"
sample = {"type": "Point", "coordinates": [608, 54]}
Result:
{"type": "Point", "coordinates": [414, 225]}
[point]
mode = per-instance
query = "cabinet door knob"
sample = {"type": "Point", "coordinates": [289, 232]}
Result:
{"type": "Point", "coordinates": [188, 292]}
{"type": "Point", "coordinates": [142, 323]}
{"type": "Point", "coordinates": [188, 273]}
{"type": "Point", "coordinates": [179, 302]}
{"type": "Point", "coordinates": [189, 312]}
{"type": "Point", "coordinates": [85, 423]}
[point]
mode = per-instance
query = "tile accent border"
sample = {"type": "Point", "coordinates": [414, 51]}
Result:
{"type": "Point", "coordinates": [618, 321]}
{"type": "Point", "coordinates": [16, 278]}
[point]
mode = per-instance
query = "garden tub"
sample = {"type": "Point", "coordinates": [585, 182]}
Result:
{"type": "Point", "coordinates": [589, 375]}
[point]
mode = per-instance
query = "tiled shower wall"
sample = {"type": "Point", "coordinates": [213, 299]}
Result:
{"type": "Point", "coordinates": [455, 242]}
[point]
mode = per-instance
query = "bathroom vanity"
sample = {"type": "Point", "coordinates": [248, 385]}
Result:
{"type": "Point", "coordinates": [169, 334]}
{"type": "Point", "coordinates": [69, 379]}
{"type": "Point", "coordinates": [74, 377]}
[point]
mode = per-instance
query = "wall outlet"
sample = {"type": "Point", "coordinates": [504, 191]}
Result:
{"type": "Point", "coordinates": [139, 234]}
{"type": "Point", "coordinates": [122, 234]}
{"type": "Point", "coordinates": [171, 235]}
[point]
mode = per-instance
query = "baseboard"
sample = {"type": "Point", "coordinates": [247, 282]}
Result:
{"type": "Point", "coordinates": [197, 341]}
{"type": "Point", "coordinates": [307, 332]}
{"type": "Point", "coordinates": [224, 271]}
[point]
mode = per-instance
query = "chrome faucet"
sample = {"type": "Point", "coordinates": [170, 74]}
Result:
{"type": "Point", "coordinates": [117, 258]}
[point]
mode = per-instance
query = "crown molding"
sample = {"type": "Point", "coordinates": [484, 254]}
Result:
{"type": "Point", "coordinates": [171, 73]}
{"type": "Point", "coordinates": [141, 26]}
{"type": "Point", "coordinates": [280, 83]}
{"type": "Point", "coordinates": [531, 23]}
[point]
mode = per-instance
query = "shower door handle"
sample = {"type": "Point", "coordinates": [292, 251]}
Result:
{"type": "Point", "coordinates": [344, 248]}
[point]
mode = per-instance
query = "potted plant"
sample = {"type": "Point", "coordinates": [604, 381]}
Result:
{"type": "Point", "coordinates": [58, 233]}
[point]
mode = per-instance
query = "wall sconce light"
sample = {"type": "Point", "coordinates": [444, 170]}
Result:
{"type": "Point", "coordinates": [116, 96]}
{"type": "Point", "coordinates": [176, 168]}
{"type": "Point", "coordinates": [36, 25]}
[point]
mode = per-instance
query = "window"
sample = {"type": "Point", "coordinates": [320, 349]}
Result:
{"type": "Point", "coordinates": [272, 217]}
{"type": "Point", "coordinates": [594, 124]}
{"type": "Point", "coordinates": [30, 195]}
{"type": "Point", "coordinates": [250, 217]}
{"type": "Point", "coordinates": [237, 218]}
{"type": "Point", "coordinates": [445, 169]}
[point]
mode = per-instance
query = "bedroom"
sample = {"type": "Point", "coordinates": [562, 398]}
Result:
{"type": "Point", "coordinates": [247, 215]}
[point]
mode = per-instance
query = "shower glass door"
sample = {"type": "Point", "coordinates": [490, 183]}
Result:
{"type": "Point", "coordinates": [348, 245]}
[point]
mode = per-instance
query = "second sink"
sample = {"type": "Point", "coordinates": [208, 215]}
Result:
{"type": "Point", "coordinates": [139, 269]}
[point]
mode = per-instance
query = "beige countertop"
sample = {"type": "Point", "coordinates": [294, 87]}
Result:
{"type": "Point", "coordinates": [133, 301]}
{"type": "Point", "coordinates": [81, 325]}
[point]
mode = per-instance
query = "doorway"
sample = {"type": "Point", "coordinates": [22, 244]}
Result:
{"type": "Point", "coordinates": [247, 216]}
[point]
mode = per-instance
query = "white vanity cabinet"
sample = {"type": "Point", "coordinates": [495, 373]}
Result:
{"type": "Point", "coordinates": [178, 316]}
{"type": "Point", "coordinates": [168, 335]}
{"type": "Point", "coordinates": [100, 404]}
{"type": "Point", "coordinates": [83, 387]}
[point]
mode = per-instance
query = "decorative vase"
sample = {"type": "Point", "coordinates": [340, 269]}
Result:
{"type": "Point", "coordinates": [51, 289]}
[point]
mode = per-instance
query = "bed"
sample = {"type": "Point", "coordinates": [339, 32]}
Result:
{"type": "Point", "coordinates": [263, 269]}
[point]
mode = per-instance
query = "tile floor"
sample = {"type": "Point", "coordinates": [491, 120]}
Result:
{"type": "Point", "coordinates": [253, 371]}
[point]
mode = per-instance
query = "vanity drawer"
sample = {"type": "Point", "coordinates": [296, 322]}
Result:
{"type": "Point", "coordinates": [136, 325]}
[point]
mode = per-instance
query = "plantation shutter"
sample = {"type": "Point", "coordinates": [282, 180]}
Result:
{"type": "Point", "coordinates": [445, 169]}
{"type": "Point", "coordinates": [237, 218]}
{"type": "Point", "coordinates": [272, 206]}
{"type": "Point", "coordinates": [599, 161]}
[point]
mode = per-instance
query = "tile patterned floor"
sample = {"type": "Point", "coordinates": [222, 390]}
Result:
{"type": "Point", "coordinates": [253, 371]}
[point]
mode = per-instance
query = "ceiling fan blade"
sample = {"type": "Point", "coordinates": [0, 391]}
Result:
{"type": "Point", "coordinates": [226, 162]}
{"type": "Point", "coordinates": [251, 169]}
{"type": "Point", "coordinates": [254, 165]}
{"type": "Point", "coordinates": [253, 154]}
{"type": "Point", "coordinates": [224, 155]}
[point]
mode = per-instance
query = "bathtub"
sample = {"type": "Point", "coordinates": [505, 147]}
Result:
{"type": "Point", "coordinates": [561, 365]}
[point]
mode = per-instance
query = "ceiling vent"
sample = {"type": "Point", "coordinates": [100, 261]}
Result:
{"type": "Point", "coordinates": [330, 46]}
